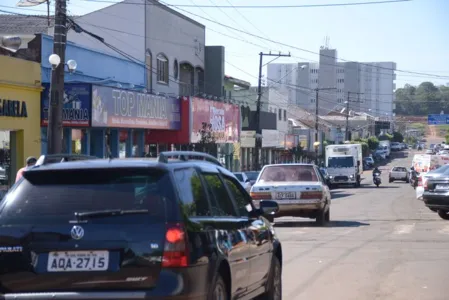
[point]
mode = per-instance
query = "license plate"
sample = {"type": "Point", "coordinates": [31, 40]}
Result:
{"type": "Point", "coordinates": [286, 195]}
{"type": "Point", "coordinates": [77, 261]}
{"type": "Point", "coordinates": [311, 201]}
{"type": "Point", "coordinates": [442, 187]}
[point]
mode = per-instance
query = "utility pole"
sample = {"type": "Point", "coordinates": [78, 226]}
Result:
{"type": "Point", "coordinates": [347, 113]}
{"type": "Point", "coordinates": [54, 129]}
{"type": "Point", "coordinates": [259, 96]}
{"type": "Point", "coordinates": [317, 90]}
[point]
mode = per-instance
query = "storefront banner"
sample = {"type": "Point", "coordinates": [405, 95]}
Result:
{"type": "Point", "coordinates": [77, 108]}
{"type": "Point", "coordinates": [270, 138]}
{"type": "Point", "coordinates": [291, 141]}
{"type": "Point", "coordinates": [119, 108]}
{"type": "Point", "coordinates": [248, 139]}
{"type": "Point", "coordinates": [222, 118]}
{"type": "Point", "coordinates": [303, 141]}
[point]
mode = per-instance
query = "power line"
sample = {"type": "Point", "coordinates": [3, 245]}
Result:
{"type": "Point", "coordinates": [305, 50]}
{"type": "Point", "coordinates": [267, 6]}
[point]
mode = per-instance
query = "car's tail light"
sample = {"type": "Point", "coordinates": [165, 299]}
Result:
{"type": "Point", "coordinates": [425, 185]}
{"type": "Point", "coordinates": [175, 248]}
{"type": "Point", "coordinates": [312, 195]}
{"type": "Point", "coordinates": [261, 195]}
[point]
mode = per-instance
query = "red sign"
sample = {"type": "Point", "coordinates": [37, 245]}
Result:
{"type": "Point", "coordinates": [223, 120]}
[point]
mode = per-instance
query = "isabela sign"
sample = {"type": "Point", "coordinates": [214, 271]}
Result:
{"type": "Point", "coordinates": [13, 108]}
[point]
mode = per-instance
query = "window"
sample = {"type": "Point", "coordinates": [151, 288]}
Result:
{"type": "Point", "coordinates": [241, 199]}
{"type": "Point", "coordinates": [162, 69]}
{"type": "Point", "coordinates": [52, 197]}
{"type": "Point", "coordinates": [221, 202]}
{"type": "Point", "coordinates": [285, 115]}
{"type": "Point", "coordinates": [149, 70]}
{"type": "Point", "coordinates": [280, 114]}
{"type": "Point", "coordinates": [288, 173]}
{"type": "Point", "coordinates": [191, 192]}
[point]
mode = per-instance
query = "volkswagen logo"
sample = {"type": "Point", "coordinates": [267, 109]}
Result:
{"type": "Point", "coordinates": [77, 232]}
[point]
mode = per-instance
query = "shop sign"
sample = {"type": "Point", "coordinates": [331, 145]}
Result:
{"type": "Point", "coordinates": [291, 141]}
{"type": "Point", "coordinates": [76, 107]}
{"type": "Point", "coordinates": [222, 119]}
{"type": "Point", "coordinates": [118, 108]}
{"type": "Point", "coordinates": [13, 108]}
{"type": "Point", "coordinates": [248, 139]}
{"type": "Point", "coordinates": [270, 138]}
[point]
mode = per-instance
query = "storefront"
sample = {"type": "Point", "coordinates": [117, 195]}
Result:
{"type": "Point", "coordinates": [76, 115]}
{"type": "Point", "coordinates": [216, 124]}
{"type": "Point", "coordinates": [20, 90]}
{"type": "Point", "coordinates": [121, 119]}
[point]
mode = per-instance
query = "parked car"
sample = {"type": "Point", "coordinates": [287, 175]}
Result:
{"type": "Point", "coordinates": [252, 176]}
{"type": "Point", "coordinates": [137, 229]}
{"type": "Point", "coordinates": [429, 151]}
{"type": "Point", "coordinates": [424, 177]}
{"type": "Point", "coordinates": [368, 161]}
{"type": "Point", "coordinates": [396, 146]}
{"type": "Point", "coordinates": [398, 173]}
{"type": "Point", "coordinates": [244, 180]}
{"type": "Point", "coordinates": [299, 189]}
{"type": "Point", "coordinates": [436, 195]}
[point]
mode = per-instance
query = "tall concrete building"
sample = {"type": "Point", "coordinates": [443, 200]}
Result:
{"type": "Point", "coordinates": [369, 87]}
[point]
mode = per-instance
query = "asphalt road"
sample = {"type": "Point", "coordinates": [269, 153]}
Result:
{"type": "Point", "coordinates": [381, 243]}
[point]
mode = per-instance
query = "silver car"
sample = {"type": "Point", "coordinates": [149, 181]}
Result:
{"type": "Point", "coordinates": [299, 189]}
{"type": "Point", "coordinates": [244, 180]}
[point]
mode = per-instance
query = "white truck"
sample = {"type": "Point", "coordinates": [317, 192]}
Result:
{"type": "Point", "coordinates": [343, 163]}
{"type": "Point", "coordinates": [386, 145]}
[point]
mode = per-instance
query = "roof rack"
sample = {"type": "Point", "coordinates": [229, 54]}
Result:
{"type": "Point", "coordinates": [187, 155]}
{"type": "Point", "coordinates": [58, 158]}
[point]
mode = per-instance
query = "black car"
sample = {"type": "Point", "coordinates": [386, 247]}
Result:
{"type": "Point", "coordinates": [436, 195]}
{"type": "Point", "coordinates": [136, 229]}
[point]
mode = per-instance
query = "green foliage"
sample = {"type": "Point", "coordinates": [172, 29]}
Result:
{"type": "Point", "coordinates": [447, 138]}
{"type": "Point", "coordinates": [373, 143]}
{"type": "Point", "coordinates": [410, 140]}
{"type": "Point", "coordinates": [385, 137]}
{"type": "Point", "coordinates": [398, 137]}
{"type": "Point", "coordinates": [364, 143]}
{"type": "Point", "coordinates": [422, 100]}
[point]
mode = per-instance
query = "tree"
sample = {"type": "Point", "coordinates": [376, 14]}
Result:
{"type": "Point", "coordinates": [373, 142]}
{"type": "Point", "coordinates": [385, 137]}
{"type": "Point", "coordinates": [397, 137]}
{"type": "Point", "coordinates": [207, 142]}
{"type": "Point", "coordinates": [421, 100]}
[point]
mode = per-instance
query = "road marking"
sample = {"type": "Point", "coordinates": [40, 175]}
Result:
{"type": "Point", "coordinates": [404, 229]}
{"type": "Point", "coordinates": [444, 230]}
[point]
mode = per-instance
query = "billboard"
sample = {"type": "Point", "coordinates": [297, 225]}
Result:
{"type": "Point", "coordinates": [222, 119]}
{"type": "Point", "coordinates": [119, 108]}
{"type": "Point", "coordinates": [76, 111]}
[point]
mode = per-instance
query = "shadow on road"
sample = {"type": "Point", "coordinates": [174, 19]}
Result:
{"type": "Point", "coordinates": [313, 224]}
{"type": "Point", "coordinates": [340, 194]}
{"type": "Point", "coordinates": [380, 187]}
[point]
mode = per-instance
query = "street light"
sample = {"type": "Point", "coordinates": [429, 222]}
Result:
{"type": "Point", "coordinates": [55, 60]}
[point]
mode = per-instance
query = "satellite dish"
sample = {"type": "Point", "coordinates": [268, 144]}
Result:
{"type": "Point", "coordinates": [11, 43]}
{"type": "Point", "coordinates": [25, 3]}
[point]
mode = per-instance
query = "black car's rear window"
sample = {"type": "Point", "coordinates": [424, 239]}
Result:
{"type": "Point", "coordinates": [55, 196]}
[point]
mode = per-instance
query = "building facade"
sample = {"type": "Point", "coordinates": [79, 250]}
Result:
{"type": "Point", "coordinates": [369, 86]}
{"type": "Point", "coordinates": [173, 54]}
{"type": "Point", "coordinates": [20, 90]}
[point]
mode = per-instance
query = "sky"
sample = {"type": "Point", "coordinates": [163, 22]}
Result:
{"type": "Point", "coordinates": [413, 34]}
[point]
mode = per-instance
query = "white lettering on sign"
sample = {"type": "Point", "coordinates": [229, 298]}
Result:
{"type": "Point", "coordinates": [217, 120]}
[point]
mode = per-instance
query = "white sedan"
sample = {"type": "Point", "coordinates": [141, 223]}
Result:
{"type": "Point", "coordinates": [299, 189]}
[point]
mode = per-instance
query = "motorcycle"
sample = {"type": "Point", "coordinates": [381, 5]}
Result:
{"type": "Point", "coordinates": [376, 179]}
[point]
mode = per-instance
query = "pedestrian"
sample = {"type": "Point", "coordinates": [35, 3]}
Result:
{"type": "Point", "coordinates": [31, 161]}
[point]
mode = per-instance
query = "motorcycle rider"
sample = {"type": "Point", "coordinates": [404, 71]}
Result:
{"type": "Point", "coordinates": [376, 170]}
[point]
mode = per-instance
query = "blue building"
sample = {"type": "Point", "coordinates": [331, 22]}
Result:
{"type": "Point", "coordinates": [96, 71]}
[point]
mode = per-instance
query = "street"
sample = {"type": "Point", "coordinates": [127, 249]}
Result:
{"type": "Point", "coordinates": [381, 243]}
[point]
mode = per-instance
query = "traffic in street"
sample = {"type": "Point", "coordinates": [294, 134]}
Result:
{"type": "Point", "coordinates": [380, 243]}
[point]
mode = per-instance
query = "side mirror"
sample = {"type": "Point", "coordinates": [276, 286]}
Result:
{"type": "Point", "coordinates": [268, 207]}
{"type": "Point", "coordinates": [247, 180]}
